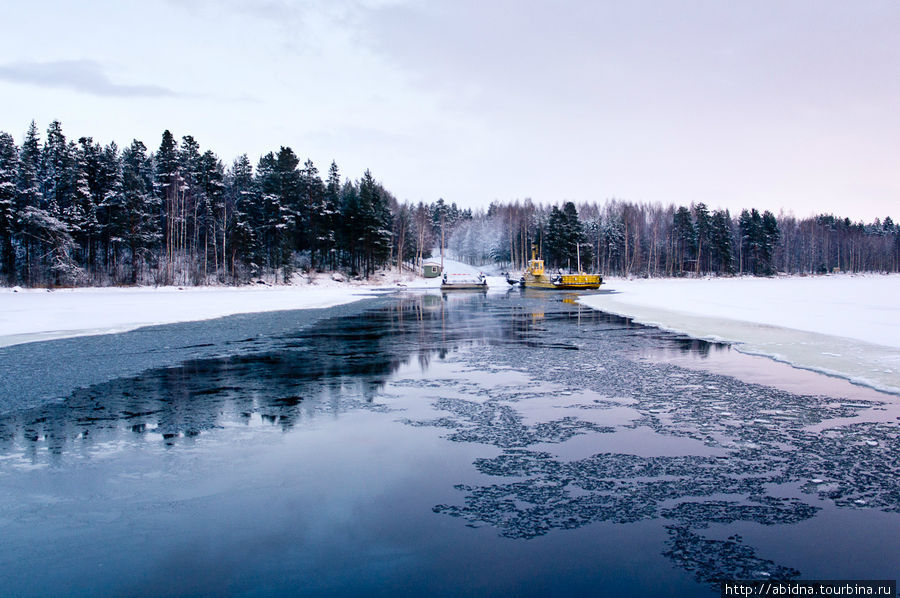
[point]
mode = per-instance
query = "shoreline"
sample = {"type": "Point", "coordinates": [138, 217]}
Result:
{"type": "Point", "coordinates": [850, 337]}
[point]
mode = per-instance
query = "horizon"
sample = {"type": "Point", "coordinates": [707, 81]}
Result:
{"type": "Point", "coordinates": [779, 107]}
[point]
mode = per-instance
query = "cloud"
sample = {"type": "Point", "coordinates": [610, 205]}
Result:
{"type": "Point", "coordinates": [85, 76]}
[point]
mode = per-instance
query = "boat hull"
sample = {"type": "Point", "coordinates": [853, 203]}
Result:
{"type": "Point", "coordinates": [567, 282]}
{"type": "Point", "coordinates": [464, 287]}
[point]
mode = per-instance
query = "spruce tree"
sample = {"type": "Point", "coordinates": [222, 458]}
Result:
{"type": "Point", "coordinates": [240, 203]}
{"type": "Point", "coordinates": [29, 209]}
{"type": "Point", "coordinates": [722, 243]}
{"type": "Point", "coordinates": [166, 184]}
{"type": "Point", "coordinates": [685, 235]}
{"type": "Point", "coordinates": [556, 238]}
{"type": "Point", "coordinates": [211, 179]}
{"type": "Point", "coordinates": [9, 165]}
{"type": "Point", "coordinates": [769, 236]}
{"type": "Point", "coordinates": [141, 206]}
{"type": "Point", "coordinates": [331, 214]}
{"type": "Point", "coordinates": [351, 227]}
{"type": "Point", "coordinates": [703, 235]}
{"type": "Point", "coordinates": [277, 181]}
{"type": "Point", "coordinates": [374, 217]}
{"type": "Point", "coordinates": [82, 213]}
{"type": "Point", "coordinates": [55, 171]}
{"type": "Point", "coordinates": [574, 237]}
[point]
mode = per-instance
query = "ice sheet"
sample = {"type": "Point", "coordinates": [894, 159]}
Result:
{"type": "Point", "coordinates": [843, 325]}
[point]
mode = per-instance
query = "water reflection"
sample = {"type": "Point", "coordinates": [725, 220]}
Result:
{"type": "Point", "coordinates": [546, 416]}
{"type": "Point", "coordinates": [333, 366]}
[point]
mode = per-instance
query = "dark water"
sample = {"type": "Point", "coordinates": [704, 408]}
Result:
{"type": "Point", "coordinates": [459, 445]}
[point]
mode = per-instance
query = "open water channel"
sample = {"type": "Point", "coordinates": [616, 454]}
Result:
{"type": "Point", "coordinates": [466, 444]}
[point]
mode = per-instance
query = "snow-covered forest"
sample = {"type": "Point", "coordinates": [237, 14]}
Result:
{"type": "Point", "coordinates": [78, 213]}
{"type": "Point", "coordinates": [625, 238]}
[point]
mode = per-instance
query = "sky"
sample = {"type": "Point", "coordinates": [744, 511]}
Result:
{"type": "Point", "coordinates": [775, 104]}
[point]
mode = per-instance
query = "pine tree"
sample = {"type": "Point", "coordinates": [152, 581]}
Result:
{"type": "Point", "coordinates": [277, 181]}
{"type": "Point", "coordinates": [55, 176]}
{"type": "Point", "coordinates": [350, 229]}
{"type": "Point", "coordinates": [167, 184]}
{"type": "Point", "coordinates": [211, 179]}
{"type": "Point", "coordinates": [9, 165]}
{"type": "Point", "coordinates": [317, 210]}
{"type": "Point", "coordinates": [613, 242]}
{"type": "Point", "coordinates": [556, 238]}
{"type": "Point", "coordinates": [576, 247]}
{"type": "Point", "coordinates": [141, 206]}
{"type": "Point", "coordinates": [756, 254]}
{"type": "Point", "coordinates": [29, 207]}
{"type": "Point", "coordinates": [769, 236]}
{"type": "Point", "coordinates": [703, 235]}
{"type": "Point", "coordinates": [721, 242]}
{"type": "Point", "coordinates": [331, 214]}
{"type": "Point", "coordinates": [376, 223]}
{"type": "Point", "coordinates": [189, 169]}
{"type": "Point", "coordinates": [240, 202]}
{"type": "Point", "coordinates": [685, 237]}
{"type": "Point", "coordinates": [82, 214]}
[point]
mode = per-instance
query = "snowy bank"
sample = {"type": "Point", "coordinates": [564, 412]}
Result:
{"type": "Point", "coordinates": [842, 325]}
{"type": "Point", "coordinates": [29, 315]}
{"type": "Point", "coordinates": [37, 314]}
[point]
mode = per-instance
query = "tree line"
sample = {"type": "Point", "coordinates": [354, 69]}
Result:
{"type": "Point", "coordinates": [78, 213]}
{"type": "Point", "coordinates": [81, 213]}
{"type": "Point", "coordinates": [639, 239]}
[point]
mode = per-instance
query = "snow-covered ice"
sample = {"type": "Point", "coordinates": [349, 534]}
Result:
{"type": "Point", "coordinates": [29, 315]}
{"type": "Point", "coordinates": [842, 325]}
{"type": "Point", "coordinates": [36, 314]}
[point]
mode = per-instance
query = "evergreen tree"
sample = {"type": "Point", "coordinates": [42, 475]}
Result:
{"type": "Point", "coordinates": [240, 197]}
{"type": "Point", "coordinates": [376, 223]}
{"type": "Point", "coordinates": [55, 171]}
{"type": "Point", "coordinates": [556, 240]}
{"type": "Point", "coordinates": [685, 237]}
{"type": "Point", "coordinates": [721, 243]}
{"type": "Point", "coordinates": [211, 198]}
{"type": "Point", "coordinates": [769, 236]}
{"type": "Point", "coordinates": [612, 236]}
{"type": "Point", "coordinates": [703, 235]}
{"type": "Point", "coordinates": [82, 214]}
{"type": "Point", "coordinates": [29, 210]}
{"type": "Point", "coordinates": [278, 184]}
{"type": "Point", "coordinates": [576, 247]}
{"type": "Point", "coordinates": [140, 205]}
{"type": "Point", "coordinates": [9, 166]}
{"type": "Point", "coordinates": [318, 220]}
{"type": "Point", "coordinates": [350, 229]}
{"type": "Point", "coordinates": [330, 215]}
{"type": "Point", "coordinates": [167, 186]}
{"type": "Point", "coordinates": [752, 241]}
{"type": "Point", "coordinates": [191, 200]}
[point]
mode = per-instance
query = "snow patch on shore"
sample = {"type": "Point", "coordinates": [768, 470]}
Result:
{"type": "Point", "coordinates": [30, 315]}
{"type": "Point", "coordinates": [847, 326]}
{"type": "Point", "coordinates": [37, 314]}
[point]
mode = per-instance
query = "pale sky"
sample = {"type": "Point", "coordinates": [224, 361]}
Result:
{"type": "Point", "coordinates": [773, 104]}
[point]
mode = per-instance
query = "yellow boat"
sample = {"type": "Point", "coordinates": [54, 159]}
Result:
{"type": "Point", "coordinates": [536, 277]}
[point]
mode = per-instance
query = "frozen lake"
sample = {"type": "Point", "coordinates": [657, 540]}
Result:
{"type": "Point", "coordinates": [465, 444]}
